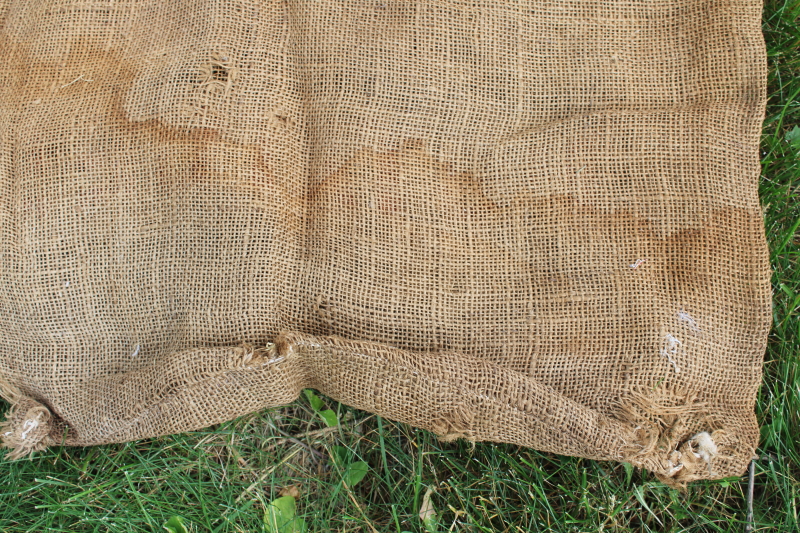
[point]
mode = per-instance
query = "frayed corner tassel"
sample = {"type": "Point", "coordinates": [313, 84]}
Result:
{"type": "Point", "coordinates": [26, 429]}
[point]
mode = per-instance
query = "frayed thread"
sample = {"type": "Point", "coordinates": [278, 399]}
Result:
{"type": "Point", "coordinates": [685, 317]}
{"type": "Point", "coordinates": [638, 263]}
{"type": "Point", "coordinates": [671, 348]}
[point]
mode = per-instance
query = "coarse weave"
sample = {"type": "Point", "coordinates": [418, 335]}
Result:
{"type": "Point", "coordinates": [532, 222]}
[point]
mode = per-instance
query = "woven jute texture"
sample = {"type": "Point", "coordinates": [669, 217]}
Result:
{"type": "Point", "coordinates": [530, 222]}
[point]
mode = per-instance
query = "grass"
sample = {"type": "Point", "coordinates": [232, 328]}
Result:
{"type": "Point", "coordinates": [224, 478]}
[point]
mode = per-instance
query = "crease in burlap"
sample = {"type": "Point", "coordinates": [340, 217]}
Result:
{"type": "Point", "coordinates": [508, 221]}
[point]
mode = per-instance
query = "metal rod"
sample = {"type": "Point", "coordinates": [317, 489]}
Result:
{"type": "Point", "coordinates": [749, 526]}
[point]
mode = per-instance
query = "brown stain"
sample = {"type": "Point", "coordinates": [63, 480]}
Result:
{"type": "Point", "coordinates": [112, 77]}
{"type": "Point", "coordinates": [724, 239]}
{"type": "Point", "coordinates": [50, 79]}
{"type": "Point", "coordinates": [112, 73]}
{"type": "Point", "coordinates": [690, 257]}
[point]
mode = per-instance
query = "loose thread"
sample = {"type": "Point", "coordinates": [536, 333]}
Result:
{"type": "Point", "coordinates": [79, 78]}
{"type": "Point", "coordinates": [683, 316]}
{"type": "Point", "coordinates": [671, 349]}
{"type": "Point", "coordinates": [638, 263]}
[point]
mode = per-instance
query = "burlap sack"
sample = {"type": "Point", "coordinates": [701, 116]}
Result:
{"type": "Point", "coordinates": [521, 221]}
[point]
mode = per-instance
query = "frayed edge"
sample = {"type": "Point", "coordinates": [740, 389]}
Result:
{"type": "Point", "coordinates": [456, 424]}
{"type": "Point", "coordinates": [26, 429]}
{"type": "Point", "coordinates": [250, 357]}
{"type": "Point", "coordinates": [666, 445]}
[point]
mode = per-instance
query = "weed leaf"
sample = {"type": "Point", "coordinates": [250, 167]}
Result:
{"type": "Point", "coordinates": [793, 137]}
{"type": "Point", "coordinates": [313, 399]}
{"type": "Point", "coordinates": [329, 417]}
{"type": "Point", "coordinates": [355, 473]}
{"type": "Point", "coordinates": [341, 455]}
{"type": "Point", "coordinates": [175, 525]}
{"type": "Point", "coordinates": [628, 473]}
{"type": "Point", "coordinates": [280, 516]}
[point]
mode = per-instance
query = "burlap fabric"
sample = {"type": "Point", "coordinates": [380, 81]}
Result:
{"type": "Point", "coordinates": [521, 221]}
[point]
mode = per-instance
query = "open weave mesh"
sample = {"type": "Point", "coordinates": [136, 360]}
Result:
{"type": "Point", "coordinates": [521, 221]}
